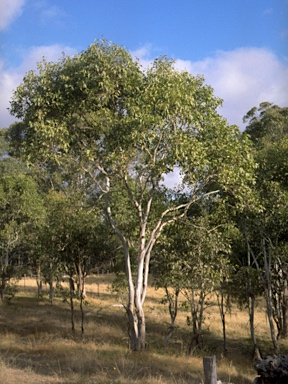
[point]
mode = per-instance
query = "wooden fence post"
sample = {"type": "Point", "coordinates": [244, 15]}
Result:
{"type": "Point", "coordinates": [210, 372]}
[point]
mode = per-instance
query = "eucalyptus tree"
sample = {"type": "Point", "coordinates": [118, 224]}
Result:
{"type": "Point", "coordinates": [266, 123]}
{"type": "Point", "coordinates": [69, 243]}
{"type": "Point", "coordinates": [194, 260]}
{"type": "Point", "coordinates": [267, 232]}
{"type": "Point", "coordinates": [167, 271]}
{"type": "Point", "coordinates": [126, 128]}
{"type": "Point", "coordinates": [245, 287]}
{"type": "Point", "coordinates": [207, 267]}
{"type": "Point", "coordinates": [21, 211]}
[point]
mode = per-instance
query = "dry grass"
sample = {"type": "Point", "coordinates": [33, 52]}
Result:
{"type": "Point", "coordinates": [36, 344]}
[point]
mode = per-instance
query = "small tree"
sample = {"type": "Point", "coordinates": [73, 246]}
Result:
{"type": "Point", "coordinates": [70, 240]}
{"type": "Point", "coordinates": [266, 233]}
{"type": "Point", "coordinates": [21, 209]}
{"type": "Point", "coordinates": [193, 260]}
{"type": "Point", "coordinates": [167, 271]}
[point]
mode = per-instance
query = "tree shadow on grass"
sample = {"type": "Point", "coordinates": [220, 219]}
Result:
{"type": "Point", "coordinates": [30, 315]}
{"type": "Point", "coordinates": [36, 335]}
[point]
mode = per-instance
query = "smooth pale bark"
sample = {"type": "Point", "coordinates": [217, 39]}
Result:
{"type": "Point", "coordinates": [136, 298]}
{"type": "Point", "coordinates": [137, 290]}
{"type": "Point", "coordinates": [133, 329]}
{"type": "Point", "coordinates": [81, 290]}
{"type": "Point", "coordinates": [251, 311]}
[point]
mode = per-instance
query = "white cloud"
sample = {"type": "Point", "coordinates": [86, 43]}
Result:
{"type": "Point", "coordinates": [243, 78]}
{"type": "Point", "coordinates": [11, 78]}
{"type": "Point", "coordinates": [9, 10]}
{"type": "Point", "coordinates": [53, 14]}
{"type": "Point", "coordinates": [143, 55]}
{"type": "Point", "coordinates": [50, 52]}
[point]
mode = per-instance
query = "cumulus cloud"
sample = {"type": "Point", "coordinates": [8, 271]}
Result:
{"type": "Point", "coordinates": [9, 10]}
{"type": "Point", "coordinates": [11, 78]}
{"type": "Point", "coordinates": [143, 55]}
{"type": "Point", "coordinates": [243, 78]}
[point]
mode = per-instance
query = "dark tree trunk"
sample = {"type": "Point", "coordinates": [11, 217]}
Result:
{"type": "Point", "coordinates": [284, 332]}
{"type": "Point", "coordinates": [2, 288]}
{"type": "Point", "coordinates": [223, 319]}
{"type": "Point", "coordinates": [268, 294]}
{"type": "Point", "coordinates": [173, 309]}
{"type": "Point", "coordinates": [223, 309]}
{"type": "Point", "coordinates": [197, 307]}
{"type": "Point", "coordinates": [72, 292]}
{"type": "Point", "coordinates": [51, 291]}
{"type": "Point", "coordinates": [39, 281]}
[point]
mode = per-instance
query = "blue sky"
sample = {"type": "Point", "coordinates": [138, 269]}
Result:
{"type": "Point", "coordinates": [240, 46]}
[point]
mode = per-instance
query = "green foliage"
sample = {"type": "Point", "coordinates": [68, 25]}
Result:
{"type": "Point", "coordinates": [272, 173]}
{"type": "Point", "coordinates": [70, 235]}
{"type": "Point", "coordinates": [21, 212]}
{"type": "Point", "coordinates": [193, 259]}
{"type": "Point", "coordinates": [8, 288]}
{"type": "Point", "coordinates": [69, 104]}
{"type": "Point", "coordinates": [3, 142]}
{"type": "Point", "coordinates": [186, 258]}
{"type": "Point", "coordinates": [268, 128]}
{"type": "Point", "coordinates": [267, 123]}
{"type": "Point", "coordinates": [14, 137]}
{"type": "Point", "coordinates": [265, 233]}
{"type": "Point", "coordinates": [99, 106]}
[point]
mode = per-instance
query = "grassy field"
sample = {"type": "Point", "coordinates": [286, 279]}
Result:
{"type": "Point", "coordinates": [36, 344]}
